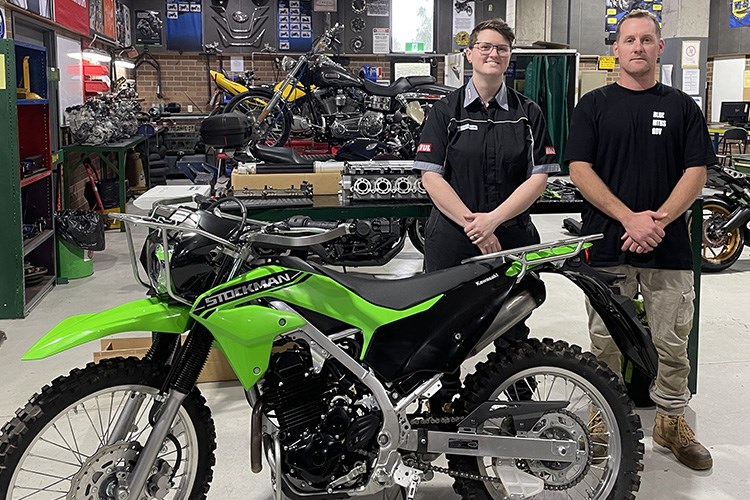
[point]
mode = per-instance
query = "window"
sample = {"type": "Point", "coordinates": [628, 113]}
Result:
{"type": "Point", "coordinates": [412, 26]}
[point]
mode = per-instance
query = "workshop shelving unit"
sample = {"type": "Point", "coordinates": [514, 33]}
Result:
{"type": "Point", "coordinates": [26, 194]}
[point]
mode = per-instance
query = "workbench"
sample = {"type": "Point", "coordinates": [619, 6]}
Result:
{"type": "Point", "coordinates": [102, 152]}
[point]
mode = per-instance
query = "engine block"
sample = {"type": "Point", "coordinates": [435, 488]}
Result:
{"type": "Point", "coordinates": [380, 182]}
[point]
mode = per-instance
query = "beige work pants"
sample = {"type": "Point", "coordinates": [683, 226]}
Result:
{"type": "Point", "coordinates": [668, 297]}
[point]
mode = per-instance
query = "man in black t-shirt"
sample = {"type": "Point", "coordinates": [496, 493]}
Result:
{"type": "Point", "coordinates": [638, 151]}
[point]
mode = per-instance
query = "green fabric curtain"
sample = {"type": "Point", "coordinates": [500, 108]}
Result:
{"type": "Point", "coordinates": [546, 83]}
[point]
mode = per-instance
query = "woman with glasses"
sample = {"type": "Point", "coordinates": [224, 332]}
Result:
{"type": "Point", "coordinates": [484, 156]}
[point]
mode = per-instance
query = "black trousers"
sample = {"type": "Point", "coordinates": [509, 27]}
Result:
{"type": "Point", "coordinates": [446, 245]}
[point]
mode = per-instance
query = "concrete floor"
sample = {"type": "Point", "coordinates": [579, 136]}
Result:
{"type": "Point", "coordinates": [718, 412]}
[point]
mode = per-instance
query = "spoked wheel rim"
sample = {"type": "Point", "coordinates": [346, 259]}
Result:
{"type": "Point", "coordinates": [716, 246]}
{"type": "Point", "coordinates": [272, 127]}
{"type": "Point", "coordinates": [594, 480]}
{"type": "Point", "coordinates": [57, 455]}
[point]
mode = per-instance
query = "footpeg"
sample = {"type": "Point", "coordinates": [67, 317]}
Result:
{"type": "Point", "coordinates": [408, 477]}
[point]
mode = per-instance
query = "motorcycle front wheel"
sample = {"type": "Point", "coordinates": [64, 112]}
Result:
{"type": "Point", "coordinates": [274, 131]}
{"type": "Point", "coordinates": [599, 417]}
{"type": "Point", "coordinates": [719, 249]}
{"type": "Point", "coordinates": [56, 446]}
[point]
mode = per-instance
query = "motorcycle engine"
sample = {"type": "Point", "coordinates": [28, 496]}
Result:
{"type": "Point", "coordinates": [327, 420]}
{"type": "Point", "coordinates": [371, 124]}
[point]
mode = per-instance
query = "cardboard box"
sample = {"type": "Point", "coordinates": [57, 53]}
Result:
{"type": "Point", "coordinates": [217, 367]}
{"type": "Point", "coordinates": [323, 182]}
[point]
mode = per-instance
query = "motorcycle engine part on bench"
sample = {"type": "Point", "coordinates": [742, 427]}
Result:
{"type": "Point", "coordinates": [357, 44]}
{"type": "Point", "coordinates": [358, 25]}
{"type": "Point", "coordinates": [380, 181]}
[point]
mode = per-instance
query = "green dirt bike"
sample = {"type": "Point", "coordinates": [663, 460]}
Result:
{"type": "Point", "coordinates": [338, 371]}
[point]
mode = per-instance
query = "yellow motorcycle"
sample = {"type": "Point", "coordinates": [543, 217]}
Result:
{"type": "Point", "coordinates": [322, 100]}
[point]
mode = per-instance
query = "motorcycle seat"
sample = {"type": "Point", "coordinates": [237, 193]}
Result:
{"type": "Point", "coordinates": [401, 85]}
{"type": "Point", "coordinates": [403, 293]}
{"type": "Point", "coordinates": [278, 154]}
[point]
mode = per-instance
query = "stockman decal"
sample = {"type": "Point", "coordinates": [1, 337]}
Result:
{"type": "Point", "coordinates": [270, 282]}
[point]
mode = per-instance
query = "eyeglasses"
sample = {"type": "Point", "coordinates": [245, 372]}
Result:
{"type": "Point", "coordinates": [485, 48]}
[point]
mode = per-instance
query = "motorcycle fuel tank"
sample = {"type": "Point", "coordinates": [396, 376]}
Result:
{"type": "Point", "coordinates": [330, 74]}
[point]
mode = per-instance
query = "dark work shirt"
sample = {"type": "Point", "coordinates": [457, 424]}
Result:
{"type": "Point", "coordinates": [485, 153]}
{"type": "Point", "coordinates": [640, 143]}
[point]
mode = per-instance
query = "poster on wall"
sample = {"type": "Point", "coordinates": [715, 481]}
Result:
{"type": "Point", "coordinates": [109, 19]}
{"type": "Point", "coordinates": [378, 8]}
{"type": "Point", "coordinates": [324, 6]}
{"type": "Point", "coordinates": [3, 24]}
{"type": "Point", "coordinates": [295, 25]}
{"type": "Point", "coordinates": [618, 8]}
{"type": "Point", "coordinates": [184, 25]}
{"type": "Point", "coordinates": [463, 23]}
{"type": "Point", "coordinates": [122, 23]}
{"type": "Point", "coordinates": [739, 14]}
{"type": "Point", "coordinates": [96, 16]}
{"type": "Point", "coordinates": [73, 14]}
{"type": "Point", "coordinates": [41, 7]}
{"type": "Point", "coordinates": [148, 25]}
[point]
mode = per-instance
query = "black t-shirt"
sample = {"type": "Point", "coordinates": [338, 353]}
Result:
{"type": "Point", "coordinates": [640, 143]}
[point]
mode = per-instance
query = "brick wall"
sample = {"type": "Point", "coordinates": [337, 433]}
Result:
{"type": "Point", "coordinates": [185, 78]}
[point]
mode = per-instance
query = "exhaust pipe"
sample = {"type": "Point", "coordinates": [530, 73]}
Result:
{"type": "Point", "coordinates": [513, 310]}
{"type": "Point", "coordinates": [739, 218]}
{"type": "Point", "coordinates": [256, 438]}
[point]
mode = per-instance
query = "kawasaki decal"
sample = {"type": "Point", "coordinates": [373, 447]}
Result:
{"type": "Point", "coordinates": [270, 282]}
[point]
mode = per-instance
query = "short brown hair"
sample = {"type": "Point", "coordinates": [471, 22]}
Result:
{"type": "Point", "coordinates": [639, 14]}
{"type": "Point", "coordinates": [496, 24]}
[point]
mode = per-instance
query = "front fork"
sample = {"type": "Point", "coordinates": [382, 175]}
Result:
{"type": "Point", "coordinates": [181, 380]}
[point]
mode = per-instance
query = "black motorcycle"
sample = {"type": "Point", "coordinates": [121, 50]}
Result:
{"type": "Point", "coordinates": [726, 214]}
{"type": "Point", "coordinates": [322, 100]}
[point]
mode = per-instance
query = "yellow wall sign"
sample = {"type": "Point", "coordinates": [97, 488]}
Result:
{"type": "Point", "coordinates": [2, 71]}
{"type": "Point", "coordinates": [606, 62]}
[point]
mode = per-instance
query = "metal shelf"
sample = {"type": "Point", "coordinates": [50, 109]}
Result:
{"type": "Point", "coordinates": [31, 102]}
{"type": "Point", "coordinates": [36, 177]}
{"type": "Point", "coordinates": [36, 293]}
{"type": "Point", "coordinates": [32, 243]}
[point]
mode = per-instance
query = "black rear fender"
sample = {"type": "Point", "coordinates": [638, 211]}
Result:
{"type": "Point", "coordinates": [617, 311]}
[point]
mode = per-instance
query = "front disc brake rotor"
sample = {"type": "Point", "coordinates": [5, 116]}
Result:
{"type": "Point", "coordinates": [103, 472]}
{"type": "Point", "coordinates": [562, 424]}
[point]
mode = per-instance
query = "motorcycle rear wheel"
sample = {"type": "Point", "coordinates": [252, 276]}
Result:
{"type": "Point", "coordinates": [561, 372]}
{"type": "Point", "coordinates": [274, 131]}
{"type": "Point", "coordinates": [49, 447]}
{"type": "Point", "coordinates": [416, 233]}
{"type": "Point", "coordinates": [719, 250]}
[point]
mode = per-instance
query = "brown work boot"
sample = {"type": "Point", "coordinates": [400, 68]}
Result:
{"type": "Point", "coordinates": [599, 436]}
{"type": "Point", "coordinates": [673, 432]}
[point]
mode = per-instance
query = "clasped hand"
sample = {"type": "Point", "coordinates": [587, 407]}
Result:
{"type": "Point", "coordinates": [643, 231]}
{"type": "Point", "coordinates": [480, 229]}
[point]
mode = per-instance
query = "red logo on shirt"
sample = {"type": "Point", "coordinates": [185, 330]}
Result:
{"type": "Point", "coordinates": [425, 147]}
{"type": "Point", "coordinates": [549, 150]}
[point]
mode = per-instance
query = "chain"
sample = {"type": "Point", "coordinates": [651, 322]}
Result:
{"type": "Point", "coordinates": [428, 421]}
{"type": "Point", "coordinates": [458, 473]}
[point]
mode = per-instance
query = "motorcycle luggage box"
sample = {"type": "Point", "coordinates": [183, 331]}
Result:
{"type": "Point", "coordinates": [226, 130]}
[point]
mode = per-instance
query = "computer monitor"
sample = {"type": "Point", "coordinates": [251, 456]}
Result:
{"type": "Point", "coordinates": [735, 113]}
